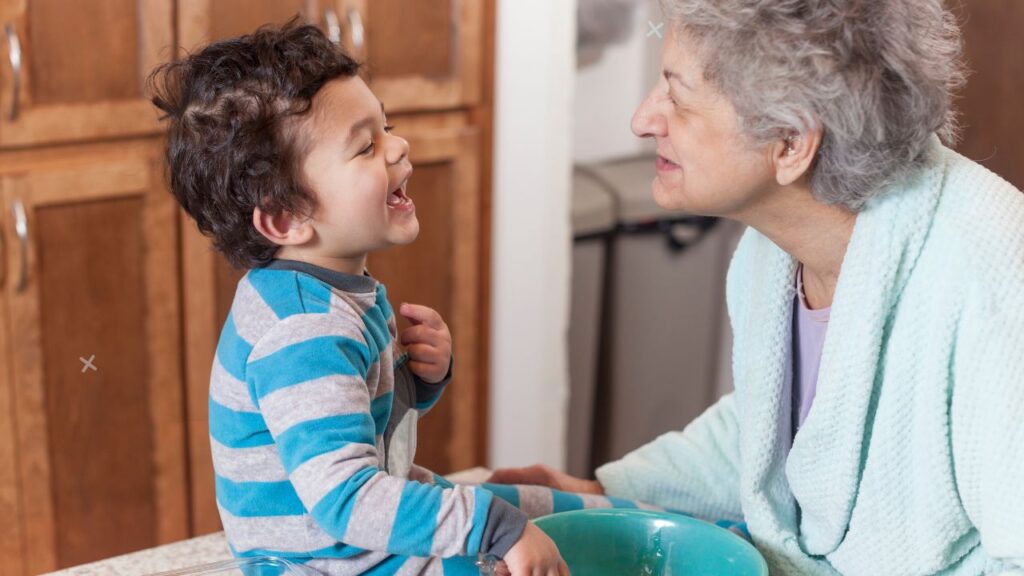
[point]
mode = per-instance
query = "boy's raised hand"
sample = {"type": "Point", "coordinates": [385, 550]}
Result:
{"type": "Point", "coordinates": [428, 342]}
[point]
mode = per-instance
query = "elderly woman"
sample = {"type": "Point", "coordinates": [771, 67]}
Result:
{"type": "Point", "coordinates": [877, 298]}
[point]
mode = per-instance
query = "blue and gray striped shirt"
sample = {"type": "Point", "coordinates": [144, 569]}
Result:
{"type": "Point", "coordinates": [313, 427]}
{"type": "Point", "coordinates": [305, 383]}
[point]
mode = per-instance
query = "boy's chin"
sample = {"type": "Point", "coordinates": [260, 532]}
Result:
{"type": "Point", "coordinates": [404, 238]}
{"type": "Point", "coordinates": [405, 235]}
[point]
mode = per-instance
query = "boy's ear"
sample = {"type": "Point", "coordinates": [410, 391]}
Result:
{"type": "Point", "coordinates": [283, 229]}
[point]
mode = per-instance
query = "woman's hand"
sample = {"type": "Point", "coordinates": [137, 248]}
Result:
{"type": "Point", "coordinates": [542, 475]}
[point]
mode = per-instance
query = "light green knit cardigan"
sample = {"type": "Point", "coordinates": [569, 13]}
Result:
{"type": "Point", "coordinates": [911, 460]}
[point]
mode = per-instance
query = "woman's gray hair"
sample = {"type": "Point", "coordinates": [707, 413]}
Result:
{"type": "Point", "coordinates": [876, 76]}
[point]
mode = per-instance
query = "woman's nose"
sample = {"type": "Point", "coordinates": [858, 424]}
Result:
{"type": "Point", "coordinates": [647, 121]}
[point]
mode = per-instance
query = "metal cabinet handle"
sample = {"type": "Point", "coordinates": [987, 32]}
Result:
{"type": "Point", "coordinates": [21, 229]}
{"type": "Point", "coordinates": [333, 25]}
{"type": "Point", "coordinates": [14, 56]}
{"type": "Point", "coordinates": [356, 30]}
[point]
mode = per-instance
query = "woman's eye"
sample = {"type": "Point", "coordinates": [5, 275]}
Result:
{"type": "Point", "coordinates": [367, 150]}
{"type": "Point", "coordinates": [389, 128]}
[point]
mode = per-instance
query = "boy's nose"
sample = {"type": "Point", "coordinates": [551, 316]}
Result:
{"type": "Point", "coordinates": [398, 150]}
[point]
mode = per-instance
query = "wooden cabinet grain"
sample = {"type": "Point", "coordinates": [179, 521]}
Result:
{"type": "Point", "coordinates": [112, 302]}
{"type": "Point", "coordinates": [423, 55]}
{"type": "Point", "coordinates": [92, 375]}
{"type": "Point", "coordinates": [203, 21]}
{"type": "Point", "coordinates": [76, 71]}
{"type": "Point", "coordinates": [991, 112]}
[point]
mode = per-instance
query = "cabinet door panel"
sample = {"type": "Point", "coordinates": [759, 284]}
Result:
{"type": "Point", "coordinates": [425, 30]}
{"type": "Point", "coordinates": [11, 561]}
{"type": "Point", "coordinates": [992, 115]}
{"type": "Point", "coordinates": [236, 17]}
{"type": "Point", "coordinates": [77, 70]}
{"type": "Point", "coordinates": [97, 312]}
{"type": "Point", "coordinates": [422, 55]}
{"type": "Point", "coordinates": [203, 21]}
{"type": "Point", "coordinates": [61, 71]}
{"type": "Point", "coordinates": [95, 366]}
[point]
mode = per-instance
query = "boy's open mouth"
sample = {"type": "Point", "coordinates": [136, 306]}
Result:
{"type": "Point", "coordinates": [398, 199]}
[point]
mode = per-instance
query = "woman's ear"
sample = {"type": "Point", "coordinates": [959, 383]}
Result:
{"type": "Point", "coordinates": [793, 157]}
{"type": "Point", "coordinates": [284, 228]}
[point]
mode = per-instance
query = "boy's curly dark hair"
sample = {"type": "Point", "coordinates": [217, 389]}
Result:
{"type": "Point", "coordinates": [233, 142]}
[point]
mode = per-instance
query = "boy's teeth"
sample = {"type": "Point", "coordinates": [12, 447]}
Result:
{"type": "Point", "coordinates": [395, 198]}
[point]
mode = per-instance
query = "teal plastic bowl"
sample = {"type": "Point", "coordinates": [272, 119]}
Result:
{"type": "Point", "coordinates": [626, 542]}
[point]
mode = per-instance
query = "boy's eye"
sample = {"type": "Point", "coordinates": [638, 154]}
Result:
{"type": "Point", "coordinates": [369, 147]}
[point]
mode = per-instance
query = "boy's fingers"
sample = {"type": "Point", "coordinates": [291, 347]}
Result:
{"type": "Point", "coordinates": [418, 314]}
{"type": "Point", "coordinates": [418, 333]}
{"type": "Point", "coordinates": [427, 336]}
{"type": "Point", "coordinates": [421, 368]}
{"type": "Point", "coordinates": [424, 353]}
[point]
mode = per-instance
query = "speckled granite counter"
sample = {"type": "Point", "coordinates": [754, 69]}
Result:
{"type": "Point", "coordinates": [194, 552]}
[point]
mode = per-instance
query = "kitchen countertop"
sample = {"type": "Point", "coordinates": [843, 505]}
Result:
{"type": "Point", "coordinates": [195, 551]}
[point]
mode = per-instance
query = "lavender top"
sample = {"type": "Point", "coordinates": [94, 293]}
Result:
{"type": "Point", "coordinates": [809, 328]}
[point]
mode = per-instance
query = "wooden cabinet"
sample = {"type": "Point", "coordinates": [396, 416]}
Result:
{"type": "Point", "coordinates": [91, 388]}
{"type": "Point", "coordinates": [203, 21]}
{"type": "Point", "coordinates": [991, 112]}
{"type": "Point", "coordinates": [11, 533]}
{"type": "Point", "coordinates": [111, 302]}
{"type": "Point", "coordinates": [73, 71]}
{"type": "Point", "coordinates": [421, 55]}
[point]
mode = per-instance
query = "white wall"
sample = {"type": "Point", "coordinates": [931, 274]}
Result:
{"type": "Point", "coordinates": [609, 90]}
{"type": "Point", "coordinates": [535, 66]}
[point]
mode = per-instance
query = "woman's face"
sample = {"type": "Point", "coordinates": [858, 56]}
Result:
{"type": "Point", "coordinates": [704, 165]}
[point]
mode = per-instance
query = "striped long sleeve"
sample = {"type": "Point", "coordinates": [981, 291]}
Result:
{"type": "Point", "coordinates": [313, 434]}
{"type": "Point", "coordinates": [327, 429]}
{"type": "Point", "coordinates": [428, 394]}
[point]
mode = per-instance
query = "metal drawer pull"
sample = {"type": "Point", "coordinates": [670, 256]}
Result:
{"type": "Point", "coordinates": [14, 56]}
{"type": "Point", "coordinates": [21, 229]}
{"type": "Point", "coordinates": [333, 25]}
{"type": "Point", "coordinates": [355, 25]}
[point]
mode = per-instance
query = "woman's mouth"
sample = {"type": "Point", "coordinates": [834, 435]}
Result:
{"type": "Point", "coordinates": [663, 164]}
